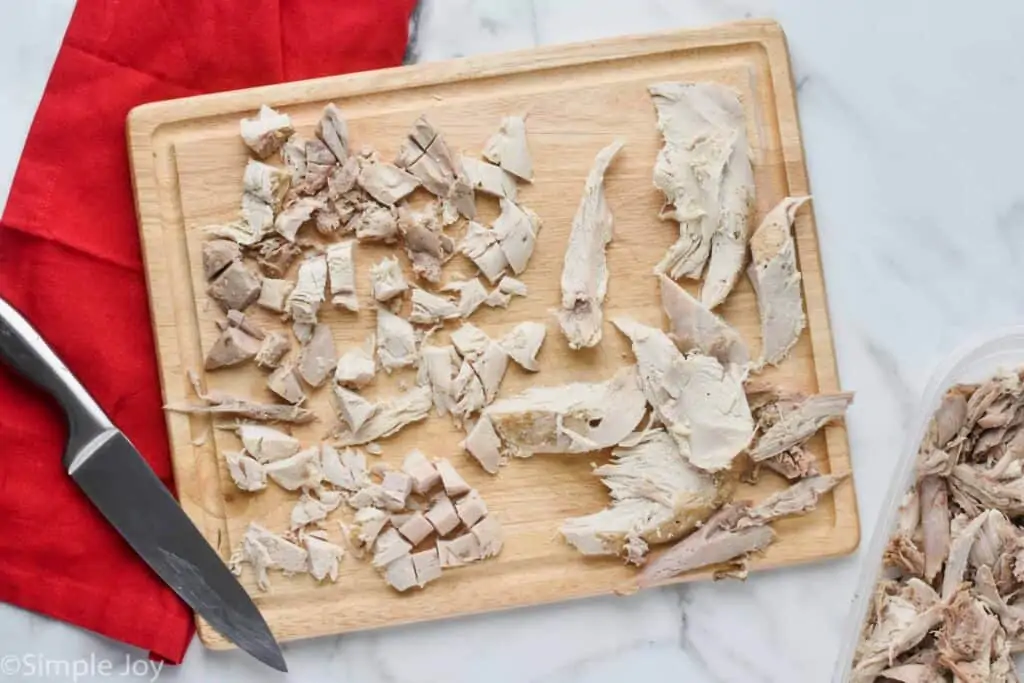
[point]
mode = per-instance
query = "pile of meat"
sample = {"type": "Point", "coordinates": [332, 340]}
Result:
{"type": "Point", "coordinates": [426, 505]}
{"type": "Point", "coordinates": [947, 606]}
{"type": "Point", "coordinates": [680, 421]}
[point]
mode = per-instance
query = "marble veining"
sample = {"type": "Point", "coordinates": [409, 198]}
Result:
{"type": "Point", "coordinates": [911, 122]}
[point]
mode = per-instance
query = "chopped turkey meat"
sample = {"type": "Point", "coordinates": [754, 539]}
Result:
{"type": "Point", "coordinates": [324, 557]}
{"type": "Point", "coordinates": [266, 183]}
{"type": "Point", "coordinates": [389, 547]}
{"type": "Point", "coordinates": [488, 178]}
{"type": "Point", "coordinates": [356, 367]}
{"type": "Point", "coordinates": [516, 229]}
{"type": "Point", "coordinates": [416, 528]}
{"type": "Point", "coordinates": [400, 574]}
{"type": "Point", "coordinates": [295, 215]}
{"type": "Point", "coordinates": [385, 182]}
{"type": "Point", "coordinates": [421, 471]}
{"type": "Point", "coordinates": [694, 327]}
{"type": "Point", "coordinates": [442, 516]}
{"type": "Point", "coordinates": [392, 415]}
{"type": "Point", "coordinates": [230, 406]}
{"type": "Point", "coordinates": [436, 371]}
{"type": "Point", "coordinates": [471, 508]}
{"type": "Point", "coordinates": [274, 294]}
{"type": "Point", "coordinates": [428, 308]}
{"type": "Point", "coordinates": [471, 295]}
{"type": "Point", "coordinates": [657, 497]}
{"type": "Point", "coordinates": [318, 356]}
{"type": "Point", "coordinates": [285, 383]}
{"type": "Point", "coordinates": [341, 270]}
{"type": "Point", "coordinates": [704, 171]}
{"type": "Point", "coordinates": [320, 162]}
{"type": "Point", "coordinates": [346, 470]}
{"type": "Point", "coordinates": [333, 130]}
{"type": "Point", "coordinates": [301, 470]}
{"type": "Point", "coordinates": [275, 256]}
{"type": "Point", "coordinates": [484, 444]}
{"type": "Point", "coordinates": [426, 244]}
{"type": "Point", "coordinates": [426, 155]}
{"type": "Point", "coordinates": [310, 510]}
{"type": "Point", "coordinates": [218, 254]}
{"type": "Point", "coordinates": [235, 288]}
{"type": "Point", "coordinates": [470, 341]}
{"type": "Point", "coordinates": [293, 154]}
{"type": "Point", "coordinates": [523, 343]}
{"type": "Point", "coordinates": [304, 301]}
{"type": "Point", "coordinates": [274, 347]}
{"type": "Point", "coordinates": [367, 525]}
{"type": "Point", "coordinates": [353, 408]}
{"type": "Point", "coordinates": [232, 347]}
{"type": "Point", "coordinates": [376, 224]}
{"type": "Point", "coordinates": [511, 286]}
{"type": "Point", "coordinates": [508, 149]}
{"type": "Point", "coordinates": [585, 270]}
{"type": "Point", "coordinates": [263, 550]}
{"type": "Point", "coordinates": [459, 551]}
{"type": "Point", "coordinates": [776, 280]}
{"type": "Point", "coordinates": [798, 499]}
{"type": "Point", "coordinates": [427, 565]}
{"type": "Point", "coordinates": [245, 471]}
{"type": "Point", "coordinates": [265, 133]}
{"type": "Point", "coordinates": [387, 280]}
{"type": "Point", "coordinates": [481, 246]}
{"type": "Point", "coordinates": [454, 484]}
{"type": "Point", "coordinates": [396, 341]}
{"type": "Point", "coordinates": [489, 536]}
{"type": "Point", "coordinates": [267, 444]}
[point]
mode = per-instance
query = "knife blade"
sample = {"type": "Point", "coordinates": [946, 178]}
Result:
{"type": "Point", "coordinates": [115, 477]}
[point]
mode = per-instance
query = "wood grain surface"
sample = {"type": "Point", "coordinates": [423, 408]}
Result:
{"type": "Point", "coordinates": [187, 162]}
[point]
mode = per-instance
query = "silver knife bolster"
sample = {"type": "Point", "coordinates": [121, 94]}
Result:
{"type": "Point", "coordinates": [24, 350]}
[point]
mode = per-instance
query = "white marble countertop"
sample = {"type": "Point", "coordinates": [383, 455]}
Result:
{"type": "Point", "coordinates": [911, 115]}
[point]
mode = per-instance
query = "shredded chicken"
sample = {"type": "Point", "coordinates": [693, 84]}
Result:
{"type": "Point", "coordinates": [318, 357]}
{"type": "Point", "coordinates": [266, 183]}
{"type": "Point", "coordinates": [247, 472]}
{"type": "Point", "coordinates": [516, 229]}
{"type": "Point", "coordinates": [385, 182]}
{"type": "Point", "coordinates": [657, 497]}
{"type": "Point", "coordinates": [481, 246]}
{"type": "Point", "coordinates": [324, 557]}
{"type": "Point", "coordinates": [285, 383]}
{"type": "Point", "coordinates": [230, 406]}
{"type": "Point", "coordinates": [333, 131]}
{"type": "Point", "coordinates": [572, 418]}
{"type": "Point", "coordinates": [776, 280]}
{"type": "Point", "coordinates": [304, 301]}
{"type": "Point", "coordinates": [428, 308]}
{"type": "Point", "coordinates": [426, 244]}
{"type": "Point", "coordinates": [948, 608]}
{"type": "Point", "coordinates": [264, 550]}
{"type": "Point", "coordinates": [274, 347]}
{"type": "Point", "coordinates": [523, 343]}
{"type": "Point", "coordinates": [437, 370]}
{"type": "Point", "coordinates": [300, 471]}
{"type": "Point", "coordinates": [390, 416]}
{"type": "Point", "coordinates": [267, 444]}
{"type": "Point", "coordinates": [693, 327]}
{"type": "Point", "coordinates": [585, 270]}
{"type": "Point", "coordinates": [312, 509]}
{"type": "Point", "coordinates": [701, 403]}
{"type": "Point", "coordinates": [704, 171]}
{"type": "Point", "coordinates": [426, 155]}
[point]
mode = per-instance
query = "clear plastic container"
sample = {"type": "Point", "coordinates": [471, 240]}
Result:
{"type": "Point", "coordinates": [972, 362]}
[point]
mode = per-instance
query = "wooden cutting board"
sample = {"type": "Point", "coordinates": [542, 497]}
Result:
{"type": "Point", "coordinates": [187, 162]}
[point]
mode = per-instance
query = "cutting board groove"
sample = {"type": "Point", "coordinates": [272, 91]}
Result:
{"type": "Point", "coordinates": [187, 162]}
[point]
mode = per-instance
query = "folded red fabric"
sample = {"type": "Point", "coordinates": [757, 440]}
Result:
{"type": "Point", "coordinates": [70, 261]}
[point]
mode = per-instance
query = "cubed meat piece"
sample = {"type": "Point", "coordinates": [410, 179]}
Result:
{"type": "Point", "coordinates": [274, 293]}
{"type": "Point", "coordinates": [389, 547]}
{"type": "Point", "coordinates": [459, 551]}
{"type": "Point", "coordinates": [273, 349]}
{"type": "Point", "coordinates": [454, 484]}
{"type": "Point", "coordinates": [427, 565]}
{"type": "Point", "coordinates": [442, 516]}
{"type": "Point", "coordinates": [218, 255]}
{"type": "Point", "coordinates": [232, 347]}
{"type": "Point", "coordinates": [236, 288]}
{"type": "Point", "coordinates": [471, 508]}
{"type": "Point", "coordinates": [422, 472]}
{"type": "Point", "coordinates": [401, 574]}
{"type": "Point", "coordinates": [489, 536]}
{"type": "Point", "coordinates": [285, 383]}
{"type": "Point", "coordinates": [416, 528]}
{"type": "Point", "coordinates": [318, 357]}
{"type": "Point", "coordinates": [398, 485]}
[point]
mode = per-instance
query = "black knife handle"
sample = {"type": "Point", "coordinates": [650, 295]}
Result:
{"type": "Point", "coordinates": [24, 350]}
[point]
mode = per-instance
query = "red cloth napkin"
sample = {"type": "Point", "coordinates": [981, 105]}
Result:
{"type": "Point", "coordinates": [70, 261]}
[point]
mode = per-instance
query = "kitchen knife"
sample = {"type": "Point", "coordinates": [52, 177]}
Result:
{"type": "Point", "coordinates": [118, 481]}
